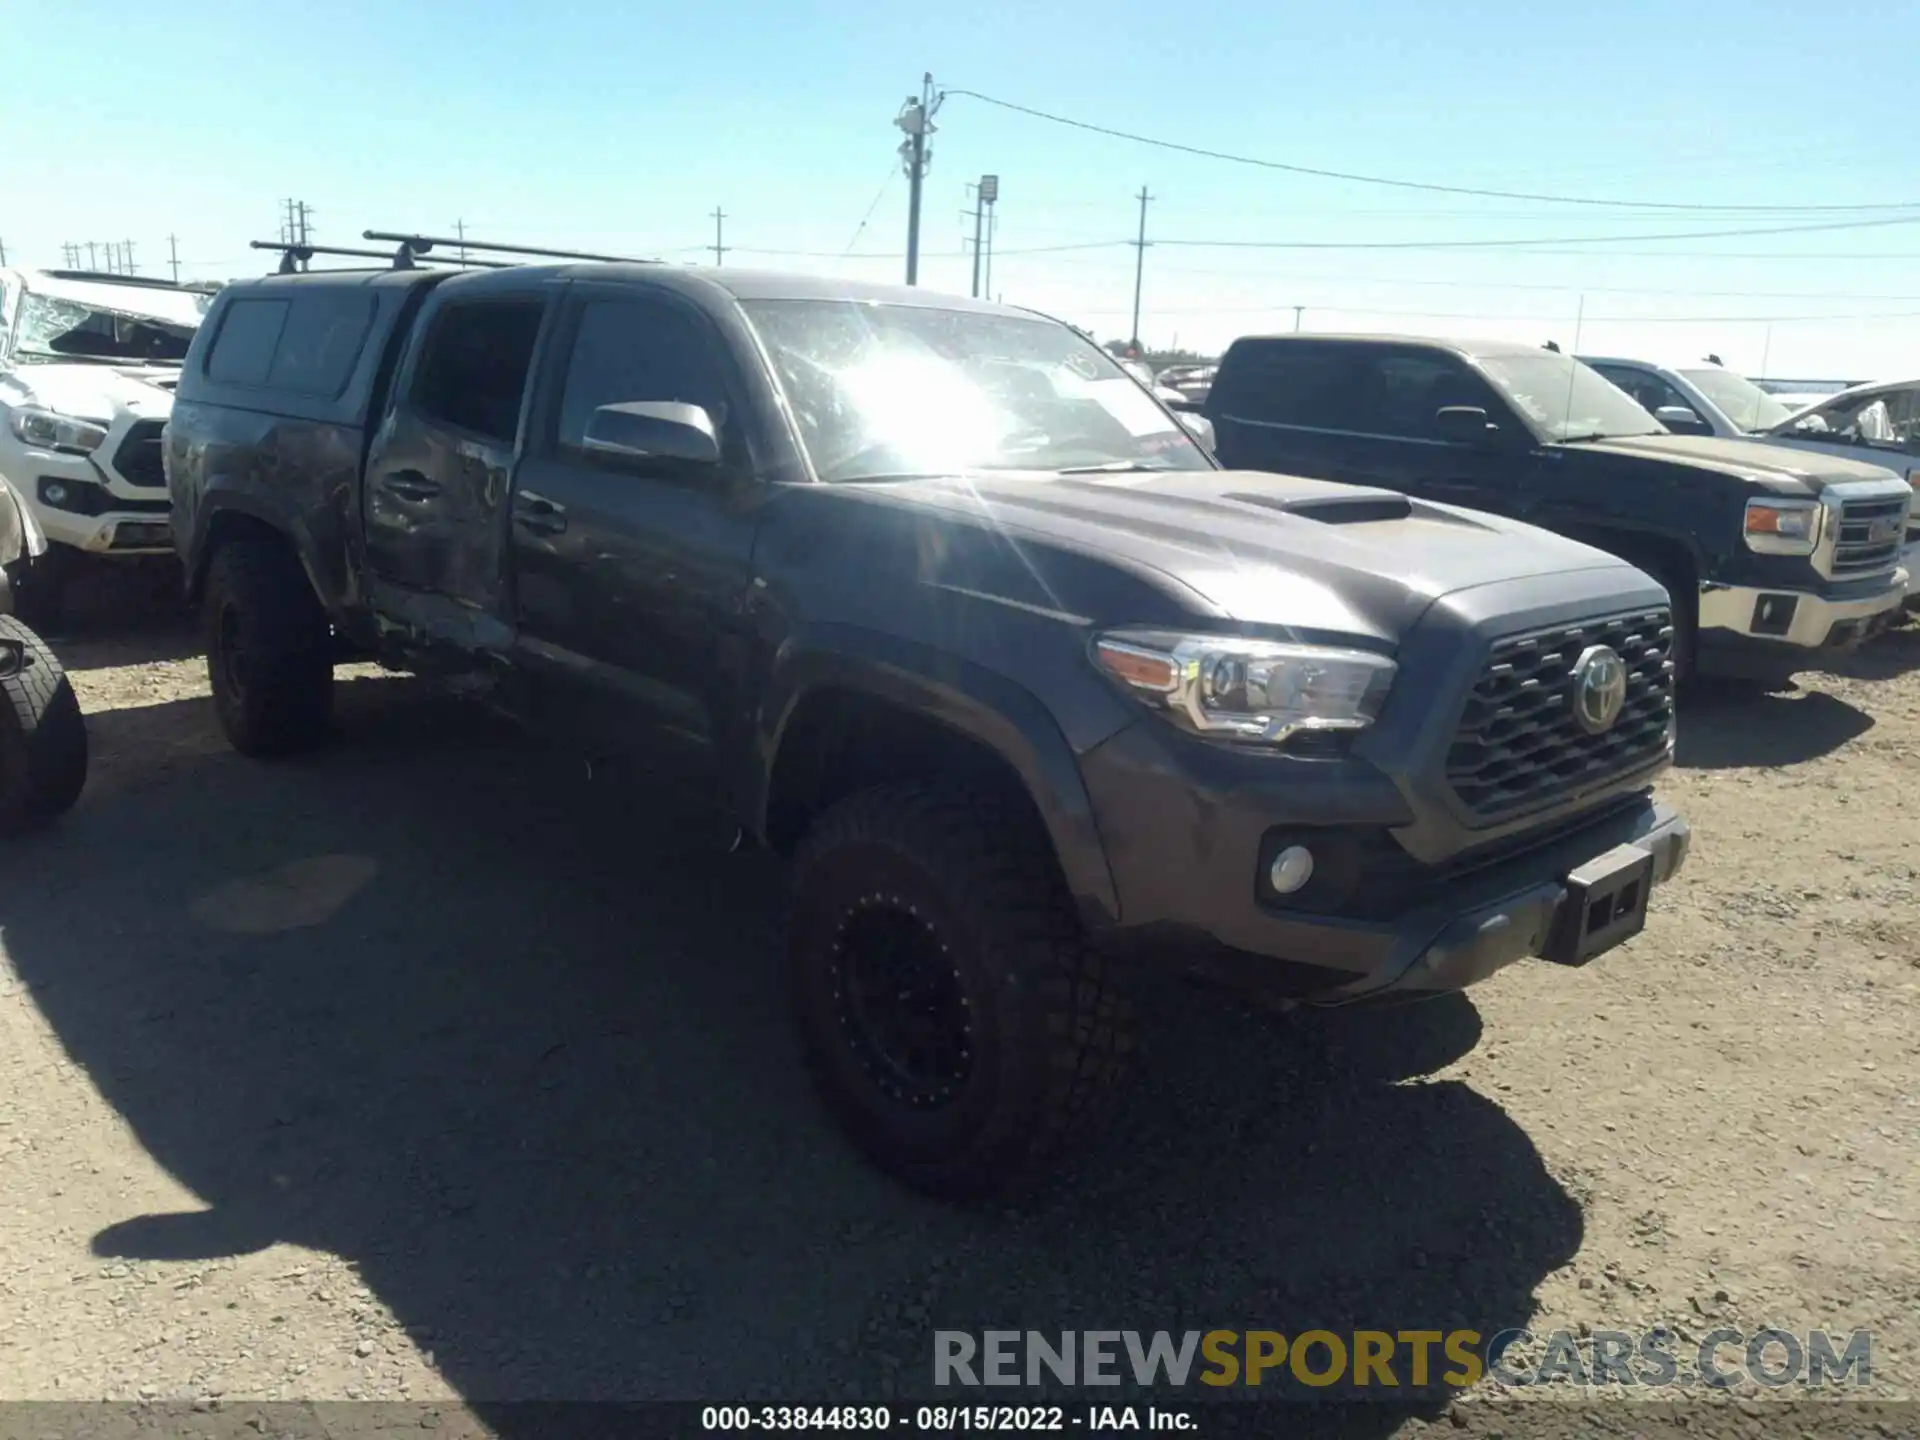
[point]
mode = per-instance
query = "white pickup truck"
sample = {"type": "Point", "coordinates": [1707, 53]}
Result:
{"type": "Point", "coordinates": [88, 365]}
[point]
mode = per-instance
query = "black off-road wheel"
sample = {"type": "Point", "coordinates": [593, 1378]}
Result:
{"type": "Point", "coordinates": [269, 651]}
{"type": "Point", "coordinates": [43, 737]}
{"type": "Point", "coordinates": [956, 1021]}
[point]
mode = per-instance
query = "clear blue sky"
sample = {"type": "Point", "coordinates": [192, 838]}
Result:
{"type": "Point", "coordinates": [608, 125]}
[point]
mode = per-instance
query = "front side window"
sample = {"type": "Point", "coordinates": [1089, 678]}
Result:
{"type": "Point", "coordinates": [473, 373]}
{"type": "Point", "coordinates": [1879, 419]}
{"type": "Point", "coordinates": [1402, 395]}
{"type": "Point", "coordinates": [880, 391]}
{"type": "Point", "coordinates": [636, 349]}
{"type": "Point", "coordinates": [1565, 399]}
{"type": "Point", "coordinates": [1739, 399]}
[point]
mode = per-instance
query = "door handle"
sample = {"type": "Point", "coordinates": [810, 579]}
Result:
{"type": "Point", "coordinates": [539, 515]}
{"type": "Point", "coordinates": [410, 485]}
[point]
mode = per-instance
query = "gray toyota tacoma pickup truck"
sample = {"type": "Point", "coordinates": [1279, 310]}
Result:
{"type": "Point", "coordinates": [936, 600]}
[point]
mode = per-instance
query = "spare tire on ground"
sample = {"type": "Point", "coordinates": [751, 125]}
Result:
{"type": "Point", "coordinates": [43, 738]}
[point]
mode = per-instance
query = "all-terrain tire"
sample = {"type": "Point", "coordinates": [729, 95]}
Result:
{"type": "Point", "coordinates": [269, 650]}
{"type": "Point", "coordinates": [970, 884]}
{"type": "Point", "coordinates": [43, 737]}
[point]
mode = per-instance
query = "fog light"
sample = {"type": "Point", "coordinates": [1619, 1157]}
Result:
{"type": "Point", "coordinates": [1291, 869]}
{"type": "Point", "coordinates": [54, 493]}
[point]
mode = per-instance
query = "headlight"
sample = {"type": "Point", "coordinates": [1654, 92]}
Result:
{"type": "Point", "coordinates": [1230, 688]}
{"type": "Point", "coordinates": [1783, 527]}
{"type": "Point", "coordinates": [46, 430]}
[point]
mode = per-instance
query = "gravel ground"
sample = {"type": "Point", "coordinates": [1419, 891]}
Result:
{"type": "Point", "coordinates": [434, 1068]}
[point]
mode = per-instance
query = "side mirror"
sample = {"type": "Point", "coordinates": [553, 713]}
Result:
{"type": "Point", "coordinates": [1681, 418]}
{"type": "Point", "coordinates": [1198, 426]}
{"type": "Point", "coordinates": [653, 430]}
{"type": "Point", "coordinates": [1464, 424]}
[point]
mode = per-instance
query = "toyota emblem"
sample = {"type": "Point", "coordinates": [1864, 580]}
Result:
{"type": "Point", "coordinates": [1599, 688]}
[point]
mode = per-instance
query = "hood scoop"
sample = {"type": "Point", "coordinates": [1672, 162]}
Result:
{"type": "Point", "coordinates": [1355, 507]}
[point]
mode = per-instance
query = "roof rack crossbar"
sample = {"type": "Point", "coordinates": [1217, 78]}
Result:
{"type": "Point", "coordinates": [417, 245]}
{"type": "Point", "coordinates": [303, 253]}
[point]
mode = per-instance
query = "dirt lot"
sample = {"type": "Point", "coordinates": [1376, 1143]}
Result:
{"type": "Point", "coordinates": [433, 1067]}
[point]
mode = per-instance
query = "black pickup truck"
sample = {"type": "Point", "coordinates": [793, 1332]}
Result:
{"type": "Point", "coordinates": [1770, 557]}
{"type": "Point", "coordinates": [939, 602]}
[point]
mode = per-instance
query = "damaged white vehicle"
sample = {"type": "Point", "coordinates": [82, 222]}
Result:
{"type": "Point", "coordinates": [43, 737]}
{"type": "Point", "coordinates": [88, 365]}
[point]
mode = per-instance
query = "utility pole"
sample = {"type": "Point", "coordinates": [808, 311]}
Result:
{"type": "Point", "coordinates": [719, 247]}
{"type": "Point", "coordinates": [916, 118]}
{"type": "Point", "coordinates": [989, 196]}
{"type": "Point", "coordinates": [3, 252]}
{"type": "Point", "coordinates": [1298, 311]}
{"type": "Point", "coordinates": [1139, 264]}
{"type": "Point", "coordinates": [126, 250]}
{"type": "Point", "coordinates": [93, 256]}
{"type": "Point", "coordinates": [173, 256]}
{"type": "Point", "coordinates": [979, 230]}
{"type": "Point", "coordinates": [460, 229]}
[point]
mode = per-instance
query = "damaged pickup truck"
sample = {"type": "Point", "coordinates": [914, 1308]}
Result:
{"type": "Point", "coordinates": [929, 595]}
{"type": "Point", "coordinates": [88, 363]}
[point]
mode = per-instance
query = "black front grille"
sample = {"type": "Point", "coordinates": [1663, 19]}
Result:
{"type": "Point", "coordinates": [138, 458]}
{"type": "Point", "coordinates": [1519, 745]}
{"type": "Point", "coordinates": [1868, 536]}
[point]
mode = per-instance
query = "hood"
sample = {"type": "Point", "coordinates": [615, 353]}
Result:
{"type": "Point", "coordinates": [95, 391]}
{"type": "Point", "coordinates": [1259, 548]}
{"type": "Point", "coordinates": [1775, 466]}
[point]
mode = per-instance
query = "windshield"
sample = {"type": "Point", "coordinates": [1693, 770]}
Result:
{"type": "Point", "coordinates": [108, 322]}
{"type": "Point", "coordinates": [1739, 399]}
{"type": "Point", "coordinates": [1565, 400]}
{"type": "Point", "coordinates": [881, 391]}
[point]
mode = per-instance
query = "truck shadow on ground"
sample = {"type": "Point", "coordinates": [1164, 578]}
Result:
{"type": "Point", "coordinates": [1732, 729]}
{"type": "Point", "coordinates": [515, 1046]}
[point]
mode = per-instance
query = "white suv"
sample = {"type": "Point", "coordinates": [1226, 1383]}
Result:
{"type": "Point", "coordinates": [88, 364]}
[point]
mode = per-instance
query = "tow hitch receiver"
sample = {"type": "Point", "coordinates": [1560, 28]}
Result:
{"type": "Point", "coordinates": [1606, 905]}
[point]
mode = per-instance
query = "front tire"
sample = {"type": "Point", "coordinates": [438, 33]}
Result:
{"type": "Point", "coordinates": [956, 1021]}
{"type": "Point", "coordinates": [43, 737]}
{"type": "Point", "coordinates": [269, 651]}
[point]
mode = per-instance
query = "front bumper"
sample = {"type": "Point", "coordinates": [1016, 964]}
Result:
{"type": "Point", "coordinates": [101, 507]}
{"type": "Point", "coordinates": [1188, 867]}
{"type": "Point", "coordinates": [1744, 627]}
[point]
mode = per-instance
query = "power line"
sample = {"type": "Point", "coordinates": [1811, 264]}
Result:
{"type": "Point", "coordinates": [1429, 187]}
{"type": "Point", "coordinates": [1556, 240]}
{"type": "Point", "coordinates": [1531, 319]}
{"type": "Point", "coordinates": [861, 228]}
{"type": "Point", "coordinates": [924, 254]}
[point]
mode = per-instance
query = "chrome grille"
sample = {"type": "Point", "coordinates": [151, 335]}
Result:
{"type": "Point", "coordinates": [1518, 746]}
{"type": "Point", "coordinates": [1867, 535]}
{"type": "Point", "coordinates": [138, 458]}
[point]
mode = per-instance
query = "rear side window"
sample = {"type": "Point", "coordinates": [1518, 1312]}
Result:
{"type": "Point", "coordinates": [320, 342]}
{"type": "Point", "coordinates": [473, 373]}
{"type": "Point", "coordinates": [1287, 382]}
{"type": "Point", "coordinates": [242, 352]}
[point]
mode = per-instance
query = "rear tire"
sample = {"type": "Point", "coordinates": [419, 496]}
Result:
{"type": "Point", "coordinates": [956, 1021]}
{"type": "Point", "coordinates": [43, 737]}
{"type": "Point", "coordinates": [269, 651]}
